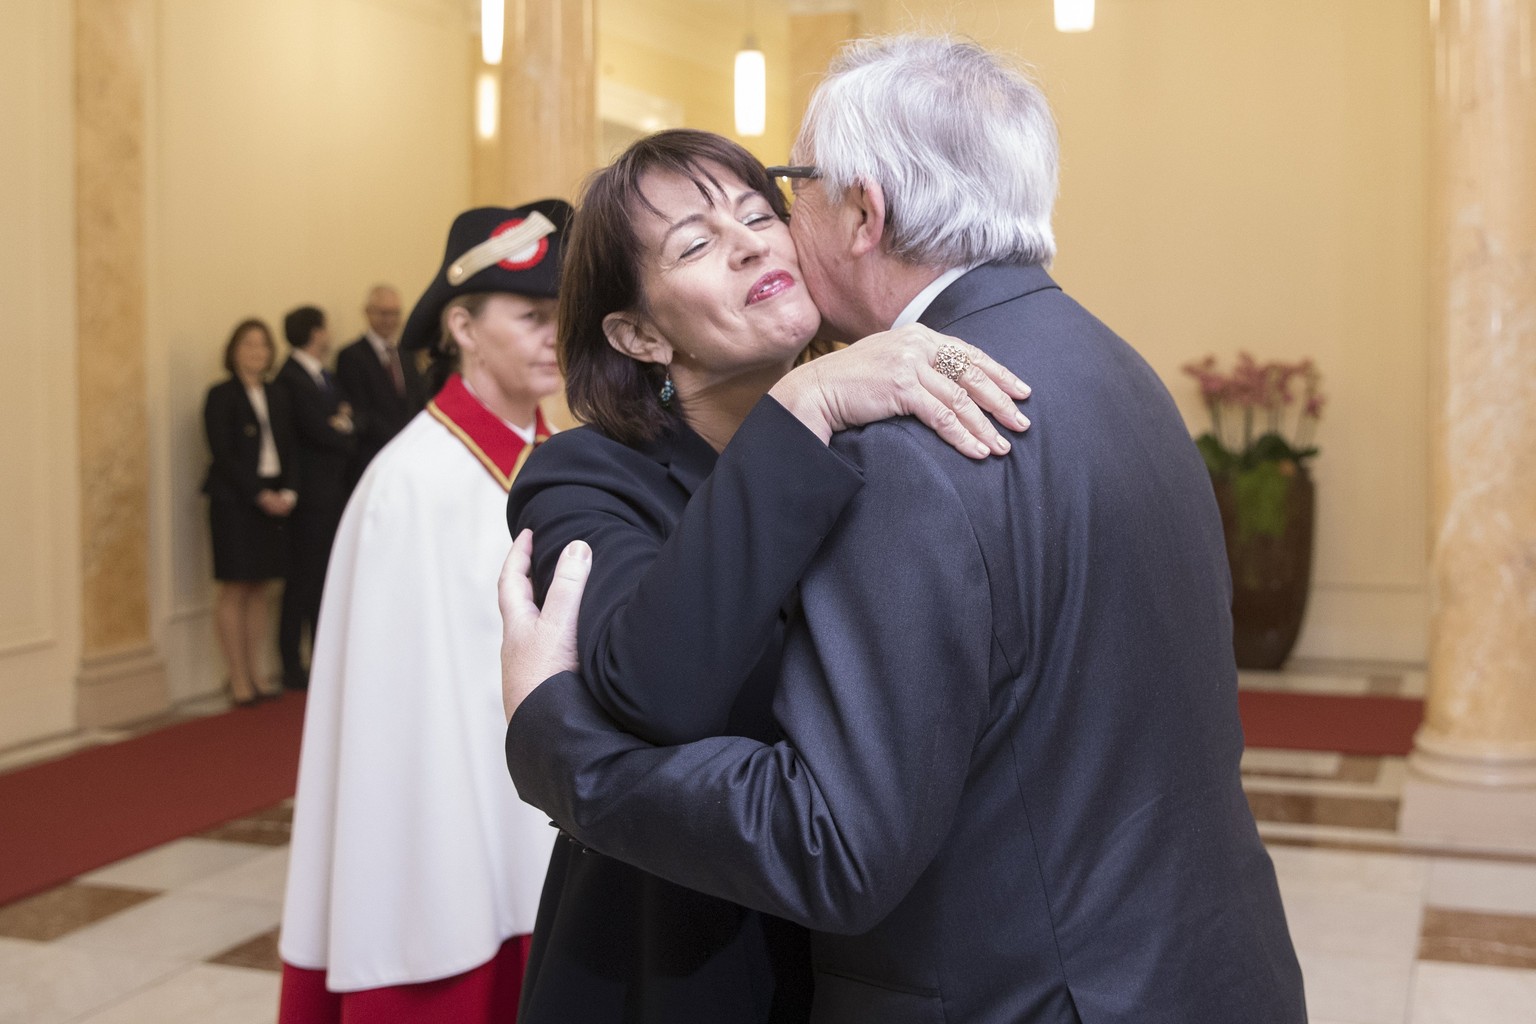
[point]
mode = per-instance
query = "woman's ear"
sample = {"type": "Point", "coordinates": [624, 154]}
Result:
{"type": "Point", "coordinates": [635, 338]}
{"type": "Point", "coordinates": [457, 323]}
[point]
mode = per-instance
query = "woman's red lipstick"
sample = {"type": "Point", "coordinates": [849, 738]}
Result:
{"type": "Point", "coordinates": [769, 285]}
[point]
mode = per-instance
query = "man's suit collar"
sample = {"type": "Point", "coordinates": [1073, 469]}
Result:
{"type": "Point", "coordinates": [381, 348]}
{"type": "Point", "coordinates": [987, 285]}
{"type": "Point", "coordinates": [292, 369]}
{"type": "Point", "coordinates": [914, 310]}
{"type": "Point", "coordinates": [312, 366]}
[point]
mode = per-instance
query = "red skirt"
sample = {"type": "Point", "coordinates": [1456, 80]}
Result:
{"type": "Point", "coordinates": [487, 994]}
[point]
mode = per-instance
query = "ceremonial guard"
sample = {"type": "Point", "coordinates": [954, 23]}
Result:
{"type": "Point", "coordinates": [416, 870]}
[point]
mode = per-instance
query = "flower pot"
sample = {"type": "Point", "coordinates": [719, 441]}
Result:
{"type": "Point", "coordinates": [1271, 574]}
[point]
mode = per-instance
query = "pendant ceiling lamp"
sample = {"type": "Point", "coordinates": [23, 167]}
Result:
{"type": "Point", "coordinates": [751, 85]}
{"type": "Point", "coordinates": [751, 89]}
{"type": "Point", "coordinates": [1074, 15]}
{"type": "Point", "coordinates": [493, 22]}
{"type": "Point", "coordinates": [487, 105]}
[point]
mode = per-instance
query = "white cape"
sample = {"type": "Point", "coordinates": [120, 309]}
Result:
{"type": "Point", "coordinates": [412, 857]}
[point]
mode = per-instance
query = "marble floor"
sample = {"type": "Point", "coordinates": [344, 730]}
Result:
{"type": "Point", "coordinates": [1388, 932]}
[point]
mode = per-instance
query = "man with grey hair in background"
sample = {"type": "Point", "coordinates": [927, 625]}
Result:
{"type": "Point", "coordinates": [1008, 785]}
{"type": "Point", "coordinates": [385, 387]}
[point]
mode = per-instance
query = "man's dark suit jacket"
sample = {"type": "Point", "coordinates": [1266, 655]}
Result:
{"type": "Point", "coordinates": [324, 454]}
{"type": "Point", "coordinates": [234, 439]}
{"type": "Point", "coordinates": [1009, 787]}
{"type": "Point", "coordinates": [378, 410]}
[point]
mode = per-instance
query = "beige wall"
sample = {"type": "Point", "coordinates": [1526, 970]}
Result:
{"type": "Point", "coordinates": [814, 39]}
{"type": "Point", "coordinates": [39, 498]}
{"type": "Point", "coordinates": [1235, 175]}
{"type": "Point", "coordinates": [683, 51]}
{"type": "Point", "coordinates": [302, 150]}
{"type": "Point", "coordinates": [298, 151]}
{"type": "Point", "coordinates": [1247, 175]}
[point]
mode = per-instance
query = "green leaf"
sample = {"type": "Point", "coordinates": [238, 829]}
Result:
{"type": "Point", "coordinates": [1218, 461]}
{"type": "Point", "coordinates": [1270, 447]}
{"type": "Point", "coordinates": [1259, 493]}
{"type": "Point", "coordinates": [1273, 447]}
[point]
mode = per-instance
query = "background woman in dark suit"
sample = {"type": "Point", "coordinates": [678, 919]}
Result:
{"type": "Point", "coordinates": [250, 434]}
{"type": "Point", "coordinates": [681, 305]}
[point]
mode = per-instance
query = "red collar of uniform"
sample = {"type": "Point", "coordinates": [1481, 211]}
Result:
{"type": "Point", "coordinates": [498, 447]}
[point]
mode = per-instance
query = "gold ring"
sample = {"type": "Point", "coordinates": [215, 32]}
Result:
{"type": "Point", "coordinates": [952, 360]}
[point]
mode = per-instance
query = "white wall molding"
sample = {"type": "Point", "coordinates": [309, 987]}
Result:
{"type": "Point", "coordinates": [1359, 622]}
{"type": "Point", "coordinates": [19, 643]}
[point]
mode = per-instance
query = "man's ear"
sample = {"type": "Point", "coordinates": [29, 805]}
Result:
{"type": "Point", "coordinates": [866, 204]}
{"type": "Point", "coordinates": [634, 337]}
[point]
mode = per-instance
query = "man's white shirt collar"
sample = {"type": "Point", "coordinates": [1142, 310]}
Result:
{"type": "Point", "coordinates": [920, 302]}
{"type": "Point", "coordinates": [381, 348]}
{"type": "Point", "coordinates": [311, 365]}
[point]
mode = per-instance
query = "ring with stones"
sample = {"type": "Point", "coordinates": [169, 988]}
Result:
{"type": "Point", "coordinates": [952, 360]}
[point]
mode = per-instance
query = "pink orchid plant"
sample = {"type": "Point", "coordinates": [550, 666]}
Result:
{"type": "Point", "coordinates": [1263, 420]}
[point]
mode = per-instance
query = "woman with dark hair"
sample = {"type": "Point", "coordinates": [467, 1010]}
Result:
{"type": "Point", "coordinates": [250, 493]}
{"type": "Point", "coordinates": [682, 307]}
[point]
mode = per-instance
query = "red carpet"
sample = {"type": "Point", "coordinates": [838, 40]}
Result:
{"type": "Point", "coordinates": [87, 810]}
{"type": "Point", "coordinates": [1348, 725]}
{"type": "Point", "coordinates": [90, 809]}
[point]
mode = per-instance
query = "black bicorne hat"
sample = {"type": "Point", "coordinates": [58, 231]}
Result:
{"type": "Point", "coordinates": [493, 249]}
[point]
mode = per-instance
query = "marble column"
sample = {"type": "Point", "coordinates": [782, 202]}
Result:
{"type": "Point", "coordinates": [543, 138]}
{"type": "Point", "coordinates": [1474, 762]}
{"type": "Point", "coordinates": [121, 675]}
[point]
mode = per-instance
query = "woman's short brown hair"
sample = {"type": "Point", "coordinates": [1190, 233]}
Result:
{"type": "Point", "coordinates": [234, 339]}
{"type": "Point", "coordinates": [601, 275]}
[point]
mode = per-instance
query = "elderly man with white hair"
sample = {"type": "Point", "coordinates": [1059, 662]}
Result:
{"type": "Point", "coordinates": [1007, 787]}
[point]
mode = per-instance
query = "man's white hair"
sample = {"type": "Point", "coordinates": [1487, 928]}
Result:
{"type": "Point", "coordinates": [962, 144]}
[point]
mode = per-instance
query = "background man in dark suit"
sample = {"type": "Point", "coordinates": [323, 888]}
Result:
{"type": "Point", "coordinates": [385, 390]}
{"type": "Point", "coordinates": [1008, 787]}
{"type": "Point", "coordinates": [322, 421]}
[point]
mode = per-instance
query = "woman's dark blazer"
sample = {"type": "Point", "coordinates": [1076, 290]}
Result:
{"type": "Point", "coordinates": [613, 943]}
{"type": "Point", "coordinates": [234, 438]}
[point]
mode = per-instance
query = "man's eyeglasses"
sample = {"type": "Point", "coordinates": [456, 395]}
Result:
{"type": "Point", "coordinates": [793, 174]}
{"type": "Point", "coordinates": [789, 178]}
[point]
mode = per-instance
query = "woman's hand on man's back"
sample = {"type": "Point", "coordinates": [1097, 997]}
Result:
{"type": "Point", "coordinates": [893, 374]}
